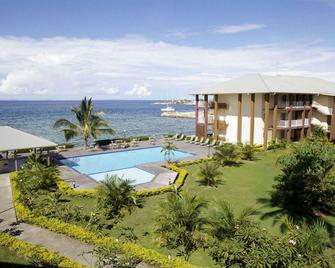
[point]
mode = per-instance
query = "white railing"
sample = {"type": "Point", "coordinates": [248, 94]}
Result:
{"type": "Point", "coordinates": [294, 123]}
{"type": "Point", "coordinates": [295, 104]}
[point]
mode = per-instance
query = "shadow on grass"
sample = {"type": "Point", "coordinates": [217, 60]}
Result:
{"type": "Point", "coordinates": [16, 265]}
{"type": "Point", "coordinates": [277, 215]}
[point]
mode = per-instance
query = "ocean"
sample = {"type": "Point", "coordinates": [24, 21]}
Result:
{"type": "Point", "coordinates": [128, 118]}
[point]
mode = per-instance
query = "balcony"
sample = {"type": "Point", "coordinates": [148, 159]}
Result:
{"type": "Point", "coordinates": [296, 123]}
{"type": "Point", "coordinates": [294, 104]}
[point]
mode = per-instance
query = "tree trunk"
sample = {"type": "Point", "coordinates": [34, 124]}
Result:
{"type": "Point", "coordinates": [85, 143]}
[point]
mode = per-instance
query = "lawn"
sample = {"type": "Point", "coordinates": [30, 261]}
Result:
{"type": "Point", "coordinates": [242, 187]}
{"type": "Point", "coordinates": [9, 258]}
{"type": "Point", "coordinates": [247, 185]}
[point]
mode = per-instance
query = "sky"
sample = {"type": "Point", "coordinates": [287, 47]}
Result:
{"type": "Point", "coordinates": [155, 49]}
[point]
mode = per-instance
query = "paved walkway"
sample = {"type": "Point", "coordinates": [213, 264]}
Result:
{"type": "Point", "coordinates": [64, 245]}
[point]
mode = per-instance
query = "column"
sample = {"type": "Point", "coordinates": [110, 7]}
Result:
{"type": "Point", "coordinates": [266, 120]}
{"type": "Point", "coordinates": [239, 118]}
{"type": "Point", "coordinates": [303, 116]}
{"type": "Point", "coordinates": [274, 118]}
{"type": "Point", "coordinates": [310, 113]}
{"type": "Point", "coordinates": [289, 131]}
{"type": "Point", "coordinates": [196, 114]}
{"type": "Point", "coordinates": [206, 116]}
{"type": "Point", "coordinates": [252, 118]}
{"type": "Point", "coordinates": [216, 116]}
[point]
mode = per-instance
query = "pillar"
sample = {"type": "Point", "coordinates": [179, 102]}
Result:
{"type": "Point", "coordinates": [252, 118]}
{"type": "Point", "coordinates": [274, 118]}
{"type": "Point", "coordinates": [239, 118]}
{"type": "Point", "coordinates": [266, 120]}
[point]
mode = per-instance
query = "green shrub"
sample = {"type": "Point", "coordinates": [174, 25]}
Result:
{"type": "Point", "coordinates": [248, 152]}
{"type": "Point", "coordinates": [128, 249]}
{"type": "Point", "coordinates": [277, 145]}
{"type": "Point", "coordinates": [37, 255]}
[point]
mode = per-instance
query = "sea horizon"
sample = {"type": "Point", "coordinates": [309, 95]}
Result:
{"type": "Point", "coordinates": [127, 117]}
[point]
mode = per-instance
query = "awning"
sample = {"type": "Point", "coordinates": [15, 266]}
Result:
{"type": "Point", "coordinates": [12, 139]}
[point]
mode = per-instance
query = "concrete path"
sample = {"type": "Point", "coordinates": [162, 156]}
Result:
{"type": "Point", "coordinates": [65, 245]}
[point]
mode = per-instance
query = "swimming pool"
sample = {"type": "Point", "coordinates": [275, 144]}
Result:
{"type": "Point", "coordinates": [122, 163]}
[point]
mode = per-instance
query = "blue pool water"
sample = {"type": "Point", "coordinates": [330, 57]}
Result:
{"type": "Point", "coordinates": [122, 163]}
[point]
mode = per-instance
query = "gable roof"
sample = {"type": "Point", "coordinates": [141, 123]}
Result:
{"type": "Point", "coordinates": [257, 83]}
{"type": "Point", "coordinates": [13, 139]}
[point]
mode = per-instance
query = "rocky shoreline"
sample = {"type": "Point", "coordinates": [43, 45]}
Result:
{"type": "Point", "coordinates": [188, 115]}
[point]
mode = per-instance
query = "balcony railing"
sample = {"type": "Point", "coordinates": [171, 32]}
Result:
{"type": "Point", "coordinates": [294, 123]}
{"type": "Point", "coordinates": [294, 104]}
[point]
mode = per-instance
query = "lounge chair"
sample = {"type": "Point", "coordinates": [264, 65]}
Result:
{"type": "Point", "coordinates": [220, 144]}
{"type": "Point", "coordinates": [181, 137]}
{"type": "Point", "coordinates": [206, 142]}
{"type": "Point", "coordinates": [191, 138]}
{"type": "Point", "coordinates": [212, 144]}
{"type": "Point", "coordinates": [152, 141]}
{"type": "Point", "coordinates": [175, 137]}
{"type": "Point", "coordinates": [195, 140]}
{"type": "Point", "coordinates": [201, 141]}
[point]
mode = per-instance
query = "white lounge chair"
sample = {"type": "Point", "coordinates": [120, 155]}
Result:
{"type": "Point", "coordinates": [181, 137]}
{"type": "Point", "coordinates": [220, 144]}
{"type": "Point", "coordinates": [212, 144]}
{"type": "Point", "coordinates": [195, 140]}
{"type": "Point", "coordinates": [201, 141]}
{"type": "Point", "coordinates": [191, 138]}
{"type": "Point", "coordinates": [206, 142]}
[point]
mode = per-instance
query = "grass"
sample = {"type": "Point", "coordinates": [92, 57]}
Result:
{"type": "Point", "coordinates": [9, 258]}
{"type": "Point", "coordinates": [247, 185]}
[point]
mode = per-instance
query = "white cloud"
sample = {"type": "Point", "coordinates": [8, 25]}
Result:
{"type": "Point", "coordinates": [139, 91]}
{"type": "Point", "coordinates": [70, 67]}
{"type": "Point", "coordinates": [227, 29]}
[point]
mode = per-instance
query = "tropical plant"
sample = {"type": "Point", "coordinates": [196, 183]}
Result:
{"type": "Point", "coordinates": [168, 150]}
{"type": "Point", "coordinates": [180, 223]}
{"type": "Point", "coordinates": [208, 174]}
{"type": "Point", "coordinates": [108, 256]}
{"type": "Point", "coordinates": [319, 133]}
{"type": "Point", "coordinates": [115, 195]}
{"type": "Point", "coordinates": [227, 154]}
{"type": "Point", "coordinates": [248, 152]}
{"type": "Point", "coordinates": [307, 182]}
{"type": "Point", "coordinates": [223, 221]}
{"type": "Point", "coordinates": [33, 160]}
{"type": "Point", "coordinates": [243, 243]}
{"type": "Point", "coordinates": [89, 123]}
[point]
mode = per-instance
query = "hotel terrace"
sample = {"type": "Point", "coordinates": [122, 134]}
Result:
{"type": "Point", "coordinates": [257, 109]}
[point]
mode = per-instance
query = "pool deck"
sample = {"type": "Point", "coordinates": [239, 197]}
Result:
{"type": "Point", "coordinates": [163, 176]}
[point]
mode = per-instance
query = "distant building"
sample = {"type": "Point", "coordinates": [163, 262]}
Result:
{"type": "Point", "coordinates": [258, 108]}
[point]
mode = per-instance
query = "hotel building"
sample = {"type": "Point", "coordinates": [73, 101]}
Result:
{"type": "Point", "coordinates": [257, 109]}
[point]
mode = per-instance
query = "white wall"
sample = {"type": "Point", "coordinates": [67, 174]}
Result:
{"type": "Point", "coordinates": [232, 115]}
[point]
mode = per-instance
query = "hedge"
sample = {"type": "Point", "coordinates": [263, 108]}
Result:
{"type": "Point", "coordinates": [126, 248]}
{"type": "Point", "coordinates": [28, 250]}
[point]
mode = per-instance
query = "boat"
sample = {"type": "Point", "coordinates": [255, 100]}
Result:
{"type": "Point", "coordinates": [167, 109]}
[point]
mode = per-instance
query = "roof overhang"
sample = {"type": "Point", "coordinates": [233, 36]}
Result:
{"type": "Point", "coordinates": [12, 139]}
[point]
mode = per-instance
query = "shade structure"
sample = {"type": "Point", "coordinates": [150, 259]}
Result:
{"type": "Point", "coordinates": [12, 139]}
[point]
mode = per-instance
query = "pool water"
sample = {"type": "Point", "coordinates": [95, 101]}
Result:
{"type": "Point", "coordinates": [122, 163]}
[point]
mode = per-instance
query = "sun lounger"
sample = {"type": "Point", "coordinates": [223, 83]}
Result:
{"type": "Point", "coordinates": [191, 138]}
{"type": "Point", "coordinates": [220, 144]}
{"type": "Point", "coordinates": [195, 140]}
{"type": "Point", "coordinates": [152, 141]}
{"type": "Point", "coordinates": [175, 137]}
{"type": "Point", "coordinates": [181, 137]}
{"type": "Point", "coordinates": [201, 141]}
{"type": "Point", "coordinates": [206, 142]}
{"type": "Point", "coordinates": [212, 144]}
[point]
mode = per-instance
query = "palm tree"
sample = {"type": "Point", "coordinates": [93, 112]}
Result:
{"type": "Point", "coordinates": [224, 221]}
{"type": "Point", "coordinates": [209, 171]}
{"type": "Point", "coordinates": [227, 154]}
{"type": "Point", "coordinates": [90, 124]}
{"type": "Point", "coordinates": [180, 223]}
{"type": "Point", "coordinates": [114, 195]}
{"type": "Point", "coordinates": [168, 150]}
